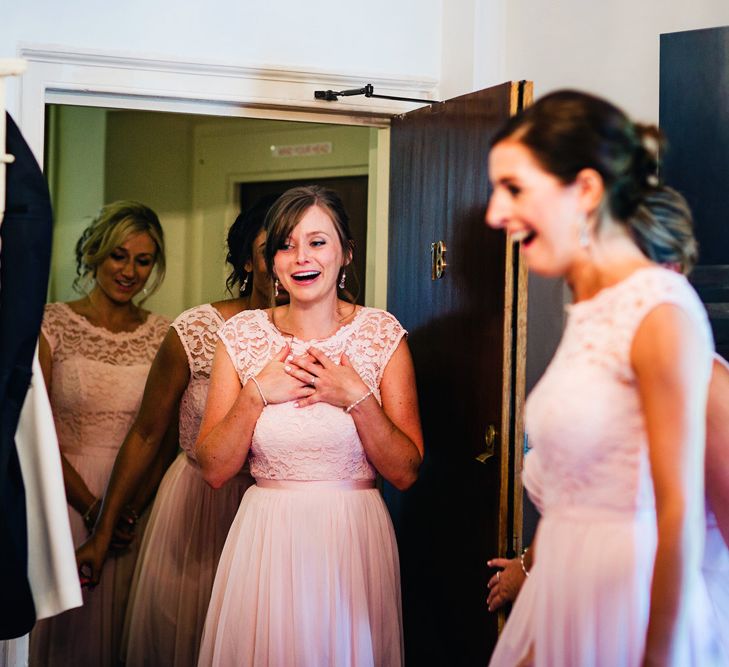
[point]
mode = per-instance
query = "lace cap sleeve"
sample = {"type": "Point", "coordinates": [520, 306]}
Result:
{"type": "Point", "coordinates": [197, 328]}
{"type": "Point", "coordinates": [248, 342]}
{"type": "Point", "coordinates": [376, 341]}
{"type": "Point", "coordinates": [54, 320]}
{"type": "Point", "coordinates": [652, 288]}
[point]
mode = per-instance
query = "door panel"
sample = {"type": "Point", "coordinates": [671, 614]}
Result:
{"type": "Point", "coordinates": [694, 115]}
{"type": "Point", "coordinates": [462, 336]}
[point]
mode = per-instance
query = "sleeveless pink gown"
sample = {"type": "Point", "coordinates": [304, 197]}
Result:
{"type": "Point", "coordinates": [98, 378]}
{"type": "Point", "coordinates": [187, 527]}
{"type": "Point", "coordinates": [586, 601]}
{"type": "Point", "coordinates": [309, 575]}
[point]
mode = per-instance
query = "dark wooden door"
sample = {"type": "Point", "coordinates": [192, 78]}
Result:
{"type": "Point", "coordinates": [353, 192]}
{"type": "Point", "coordinates": [694, 115]}
{"type": "Point", "coordinates": [466, 336]}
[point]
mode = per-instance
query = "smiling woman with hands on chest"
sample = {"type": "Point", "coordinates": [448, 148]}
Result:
{"type": "Point", "coordinates": [319, 395]}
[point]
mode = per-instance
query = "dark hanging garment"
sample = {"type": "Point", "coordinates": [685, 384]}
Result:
{"type": "Point", "coordinates": [24, 266]}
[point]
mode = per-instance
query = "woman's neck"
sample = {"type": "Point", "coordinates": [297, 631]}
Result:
{"type": "Point", "coordinates": [258, 299]}
{"type": "Point", "coordinates": [309, 321]}
{"type": "Point", "coordinates": [109, 314]}
{"type": "Point", "coordinates": [611, 257]}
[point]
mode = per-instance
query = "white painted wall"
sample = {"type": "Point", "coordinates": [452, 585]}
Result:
{"type": "Point", "coordinates": [378, 37]}
{"type": "Point", "coordinates": [609, 48]}
{"type": "Point", "coordinates": [473, 46]}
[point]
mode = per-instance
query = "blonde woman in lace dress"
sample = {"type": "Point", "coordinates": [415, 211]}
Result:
{"type": "Point", "coordinates": [95, 354]}
{"type": "Point", "coordinates": [617, 421]}
{"type": "Point", "coordinates": [189, 520]}
{"type": "Point", "coordinates": [318, 395]}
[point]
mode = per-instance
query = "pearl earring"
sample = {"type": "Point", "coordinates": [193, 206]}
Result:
{"type": "Point", "coordinates": [244, 284]}
{"type": "Point", "coordinates": [342, 279]}
{"type": "Point", "coordinates": [275, 287]}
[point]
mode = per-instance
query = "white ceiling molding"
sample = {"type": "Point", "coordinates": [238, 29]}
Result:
{"type": "Point", "coordinates": [61, 75]}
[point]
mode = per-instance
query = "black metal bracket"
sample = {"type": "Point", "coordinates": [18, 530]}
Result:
{"type": "Point", "coordinates": [367, 91]}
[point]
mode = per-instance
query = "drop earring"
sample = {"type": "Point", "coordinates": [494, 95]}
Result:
{"type": "Point", "coordinates": [275, 287]}
{"type": "Point", "coordinates": [244, 284]}
{"type": "Point", "coordinates": [342, 279]}
{"type": "Point", "coordinates": [584, 233]}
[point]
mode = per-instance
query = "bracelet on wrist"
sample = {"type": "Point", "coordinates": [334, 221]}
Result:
{"type": "Point", "coordinates": [87, 514]}
{"type": "Point", "coordinates": [258, 386]}
{"type": "Point", "coordinates": [521, 562]}
{"type": "Point", "coordinates": [351, 407]}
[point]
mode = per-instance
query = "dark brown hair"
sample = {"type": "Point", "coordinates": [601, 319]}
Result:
{"type": "Point", "coordinates": [241, 236]}
{"type": "Point", "coordinates": [568, 131]}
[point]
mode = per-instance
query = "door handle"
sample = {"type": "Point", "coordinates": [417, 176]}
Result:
{"type": "Point", "coordinates": [490, 444]}
{"type": "Point", "coordinates": [437, 260]}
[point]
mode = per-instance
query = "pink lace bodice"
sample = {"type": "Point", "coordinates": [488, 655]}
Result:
{"type": "Point", "coordinates": [98, 377]}
{"type": "Point", "coordinates": [197, 329]}
{"type": "Point", "coordinates": [584, 417]}
{"type": "Point", "coordinates": [318, 442]}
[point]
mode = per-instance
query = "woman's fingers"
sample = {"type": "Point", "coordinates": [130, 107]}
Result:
{"type": "Point", "coordinates": [302, 374]}
{"type": "Point", "coordinates": [322, 358]}
{"type": "Point", "coordinates": [283, 353]}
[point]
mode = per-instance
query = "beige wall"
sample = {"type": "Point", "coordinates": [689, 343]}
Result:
{"type": "Point", "coordinates": [76, 162]}
{"type": "Point", "coordinates": [228, 152]}
{"type": "Point", "coordinates": [149, 159]}
{"type": "Point", "coordinates": [186, 169]}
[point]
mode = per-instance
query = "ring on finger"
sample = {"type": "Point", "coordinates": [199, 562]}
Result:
{"type": "Point", "coordinates": [498, 577]}
{"type": "Point", "coordinates": [313, 381]}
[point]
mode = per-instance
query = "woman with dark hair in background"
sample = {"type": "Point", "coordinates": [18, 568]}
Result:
{"type": "Point", "coordinates": [95, 354]}
{"type": "Point", "coordinates": [617, 421]}
{"type": "Point", "coordinates": [189, 520]}
{"type": "Point", "coordinates": [318, 395]}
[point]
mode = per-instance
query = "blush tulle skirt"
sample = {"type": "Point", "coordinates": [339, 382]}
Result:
{"type": "Point", "coordinates": [176, 566]}
{"type": "Point", "coordinates": [309, 576]}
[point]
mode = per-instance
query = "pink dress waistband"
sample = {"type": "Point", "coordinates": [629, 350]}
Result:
{"type": "Point", "coordinates": [304, 485]}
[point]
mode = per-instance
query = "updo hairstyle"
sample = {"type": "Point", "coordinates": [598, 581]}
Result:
{"type": "Point", "coordinates": [568, 131]}
{"type": "Point", "coordinates": [241, 236]}
{"type": "Point", "coordinates": [110, 229]}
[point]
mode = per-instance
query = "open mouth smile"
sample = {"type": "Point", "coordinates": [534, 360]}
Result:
{"type": "Point", "coordinates": [523, 236]}
{"type": "Point", "coordinates": [125, 285]}
{"type": "Point", "coordinates": [305, 276]}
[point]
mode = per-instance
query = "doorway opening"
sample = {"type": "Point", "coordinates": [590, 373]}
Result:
{"type": "Point", "coordinates": [198, 172]}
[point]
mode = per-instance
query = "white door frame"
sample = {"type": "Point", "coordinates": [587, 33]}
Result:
{"type": "Point", "coordinates": [101, 79]}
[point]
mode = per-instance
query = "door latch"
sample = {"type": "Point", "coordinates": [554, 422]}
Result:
{"type": "Point", "coordinates": [437, 260]}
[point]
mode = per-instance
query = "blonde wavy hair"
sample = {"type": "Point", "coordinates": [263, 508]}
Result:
{"type": "Point", "coordinates": [109, 229]}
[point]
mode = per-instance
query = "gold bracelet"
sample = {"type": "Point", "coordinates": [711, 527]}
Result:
{"type": "Point", "coordinates": [521, 560]}
{"type": "Point", "coordinates": [357, 402]}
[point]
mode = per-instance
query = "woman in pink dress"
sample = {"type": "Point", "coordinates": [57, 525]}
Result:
{"type": "Point", "coordinates": [189, 520]}
{"type": "Point", "coordinates": [676, 249]}
{"type": "Point", "coordinates": [95, 354]}
{"type": "Point", "coordinates": [617, 421]}
{"type": "Point", "coordinates": [319, 396]}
